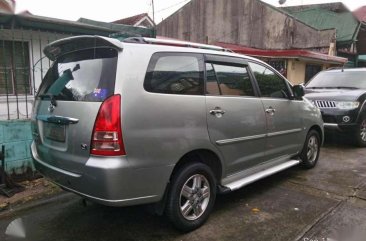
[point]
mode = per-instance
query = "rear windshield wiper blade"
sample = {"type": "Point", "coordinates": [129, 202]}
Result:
{"type": "Point", "coordinates": [51, 97]}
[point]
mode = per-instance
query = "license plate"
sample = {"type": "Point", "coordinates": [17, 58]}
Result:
{"type": "Point", "coordinates": [54, 132]}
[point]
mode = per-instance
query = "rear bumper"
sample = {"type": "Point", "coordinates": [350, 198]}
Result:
{"type": "Point", "coordinates": [109, 181]}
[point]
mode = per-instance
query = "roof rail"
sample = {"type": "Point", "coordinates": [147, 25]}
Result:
{"type": "Point", "coordinates": [177, 43]}
{"type": "Point", "coordinates": [334, 68]}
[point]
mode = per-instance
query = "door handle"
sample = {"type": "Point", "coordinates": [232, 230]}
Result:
{"type": "Point", "coordinates": [270, 110]}
{"type": "Point", "coordinates": [217, 112]}
{"type": "Point", "coordinates": [57, 119]}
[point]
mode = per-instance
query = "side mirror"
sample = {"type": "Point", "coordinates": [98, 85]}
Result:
{"type": "Point", "coordinates": [299, 91]}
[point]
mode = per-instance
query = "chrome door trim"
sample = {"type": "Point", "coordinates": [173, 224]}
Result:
{"type": "Point", "coordinates": [239, 139]}
{"type": "Point", "coordinates": [255, 137]}
{"type": "Point", "coordinates": [279, 133]}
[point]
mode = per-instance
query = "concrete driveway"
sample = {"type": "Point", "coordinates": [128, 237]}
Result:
{"type": "Point", "coordinates": [325, 203]}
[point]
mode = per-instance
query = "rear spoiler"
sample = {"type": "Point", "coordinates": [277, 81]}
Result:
{"type": "Point", "coordinates": [67, 45]}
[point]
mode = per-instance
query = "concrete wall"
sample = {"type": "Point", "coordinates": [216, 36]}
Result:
{"type": "Point", "coordinates": [250, 23]}
{"type": "Point", "coordinates": [16, 136]}
{"type": "Point", "coordinates": [15, 133]}
{"type": "Point", "coordinates": [296, 71]}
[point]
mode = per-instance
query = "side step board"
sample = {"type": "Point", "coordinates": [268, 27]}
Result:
{"type": "Point", "coordinates": [262, 174]}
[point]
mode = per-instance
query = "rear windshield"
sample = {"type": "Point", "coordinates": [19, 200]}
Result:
{"type": "Point", "coordinates": [85, 75]}
{"type": "Point", "coordinates": [346, 79]}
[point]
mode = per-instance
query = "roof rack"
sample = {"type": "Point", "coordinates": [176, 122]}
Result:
{"type": "Point", "coordinates": [176, 43]}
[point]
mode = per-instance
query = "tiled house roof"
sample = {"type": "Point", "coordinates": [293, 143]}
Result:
{"type": "Point", "coordinates": [360, 14]}
{"type": "Point", "coordinates": [136, 20]}
{"type": "Point", "coordinates": [7, 6]}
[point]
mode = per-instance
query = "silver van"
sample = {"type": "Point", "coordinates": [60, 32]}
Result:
{"type": "Point", "coordinates": [169, 123]}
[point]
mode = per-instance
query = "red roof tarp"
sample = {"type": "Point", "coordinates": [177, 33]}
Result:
{"type": "Point", "coordinates": [286, 53]}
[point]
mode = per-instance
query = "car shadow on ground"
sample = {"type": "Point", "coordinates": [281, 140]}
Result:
{"type": "Point", "coordinates": [70, 219]}
{"type": "Point", "coordinates": [340, 140]}
{"type": "Point", "coordinates": [96, 222]}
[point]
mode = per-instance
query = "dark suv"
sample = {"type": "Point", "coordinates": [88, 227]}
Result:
{"type": "Point", "coordinates": [340, 94]}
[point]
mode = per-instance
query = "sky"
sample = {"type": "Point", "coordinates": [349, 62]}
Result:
{"type": "Point", "coordinates": [111, 10]}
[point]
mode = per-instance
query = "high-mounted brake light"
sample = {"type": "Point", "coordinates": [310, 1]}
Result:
{"type": "Point", "coordinates": [107, 132]}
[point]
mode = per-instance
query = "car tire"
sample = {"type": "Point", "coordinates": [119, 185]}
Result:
{"type": "Point", "coordinates": [360, 133]}
{"type": "Point", "coordinates": [191, 196]}
{"type": "Point", "coordinates": [310, 153]}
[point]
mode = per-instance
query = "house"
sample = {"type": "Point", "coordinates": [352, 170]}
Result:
{"type": "Point", "coordinates": [256, 28]}
{"type": "Point", "coordinates": [7, 6]}
{"type": "Point", "coordinates": [23, 66]}
{"type": "Point", "coordinates": [140, 20]}
{"type": "Point", "coordinates": [350, 27]}
{"type": "Point", "coordinates": [360, 14]}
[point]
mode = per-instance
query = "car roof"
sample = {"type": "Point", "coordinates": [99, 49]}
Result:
{"type": "Point", "coordinates": [158, 45]}
{"type": "Point", "coordinates": [171, 46]}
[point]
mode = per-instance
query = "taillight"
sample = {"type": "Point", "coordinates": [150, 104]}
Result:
{"type": "Point", "coordinates": [107, 132]}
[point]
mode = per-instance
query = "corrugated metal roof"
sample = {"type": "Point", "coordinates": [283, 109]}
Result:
{"type": "Point", "coordinates": [345, 23]}
{"type": "Point", "coordinates": [83, 26]}
{"type": "Point", "coordinates": [120, 30]}
{"type": "Point", "coordinates": [338, 7]}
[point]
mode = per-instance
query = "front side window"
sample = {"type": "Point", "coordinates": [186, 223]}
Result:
{"type": "Point", "coordinates": [270, 84]}
{"type": "Point", "coordinates": [175, 73]}
{"type": "Point", "coordinates": [228, 80]}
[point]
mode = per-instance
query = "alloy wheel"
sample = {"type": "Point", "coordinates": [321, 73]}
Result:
{"type": "Point", "coordinates": [194, 197]}
{"type": "Point", "coordinates": [312, 150]}
{"type": "Point", "coordinates": [363, 130]}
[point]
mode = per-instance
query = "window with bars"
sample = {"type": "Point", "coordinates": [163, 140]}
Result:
{"type": "Point", "coordinates": [14, 68]}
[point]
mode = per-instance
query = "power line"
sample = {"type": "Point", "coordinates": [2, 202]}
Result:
{"type": "Point", "coordinates": [171, 6]}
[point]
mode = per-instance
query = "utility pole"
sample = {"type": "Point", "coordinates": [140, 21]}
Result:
{"type": "Point", "coordinates": [153, 10]}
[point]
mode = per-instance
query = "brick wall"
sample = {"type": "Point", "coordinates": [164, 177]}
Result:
{"type": "Point", "coordinates": [16, 136]}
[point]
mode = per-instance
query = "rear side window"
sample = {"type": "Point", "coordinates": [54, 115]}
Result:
{"type": "Point", "coordinates": [175, 73]}
{"type": "Point", "coordinates": [85, 75]}
{"type": "Point", "coordinates": [228, 80]}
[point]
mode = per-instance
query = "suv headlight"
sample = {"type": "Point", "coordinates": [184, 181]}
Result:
{"type": "Point", "coordinates": [347, 105]}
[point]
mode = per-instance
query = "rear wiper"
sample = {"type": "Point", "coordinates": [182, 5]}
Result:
{"type": "Point", "coordinates": [51, 97]}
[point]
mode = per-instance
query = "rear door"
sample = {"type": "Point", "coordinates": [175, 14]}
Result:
{"type": "Point", "coordinates": [68, 102]}
{"type": "Point", "coordinates": [284, 125]}
{"type": "Point", "coordinates": [235, 115]}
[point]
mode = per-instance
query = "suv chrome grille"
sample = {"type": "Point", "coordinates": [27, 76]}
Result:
{"type": "Point", "coordinates": [325, 104]}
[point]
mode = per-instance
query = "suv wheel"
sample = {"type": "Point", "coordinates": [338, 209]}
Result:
{"type": "Point", "coordinates": [310, 152]}
{"type": "Point", "coordinates": [360, 134]}
{"type": "Point", "coordinates": [191, 197]}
